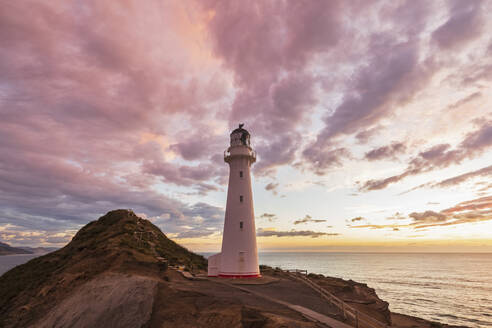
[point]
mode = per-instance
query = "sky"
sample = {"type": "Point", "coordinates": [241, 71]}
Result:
{"type": "Point", "coordinates": [372, 120]}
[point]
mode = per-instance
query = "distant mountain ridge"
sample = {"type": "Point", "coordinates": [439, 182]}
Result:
{"type": "Point", "coordinates": [39, 250]}
{"type": "Point", "coordinates": [6, 249]}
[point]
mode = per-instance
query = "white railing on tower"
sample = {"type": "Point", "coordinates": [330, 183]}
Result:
{"type": "Point", "coordinates": [252, 153]}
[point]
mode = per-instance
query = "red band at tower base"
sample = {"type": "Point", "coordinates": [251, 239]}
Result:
{"type": "Point", "coordinates": [239, 276]}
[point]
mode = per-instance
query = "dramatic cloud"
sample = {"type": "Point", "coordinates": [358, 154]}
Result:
{"type": "Point", "coordinates": [183, 221]}
{"type": "Point", "coordinates": [386, 152]}
{"type": "Point", "coordinates": [392, 76]}
{"type": "Point", "coordinates": [467, 99]}
{"type": "Point", "coordinates": [86, 110]}
{"type": "Point", "coordinates": [268, 216]}
{"type": "Point", "coordinates": [292, 233]}
{"type": "Point", "coordinates": [441, 156]}
{"type": "Point", "coordinates": [307, 219]}
{"type": "Point", "coordinates": [194, 234]}
{"type": "Point", "coordinates": [129, 104]}
{"type": "Point", "coordinates": [200, 144]}
{"type": "Point", "coordinates": [268, 47]}
{"type": "Point", "coordinates": [428, 217]}
{"type": "Point", "coordinates": [326, 159]}
{"type": "Point", "coordinates": [483, 172]}
{"type": "Point", "coordinates": [463, 25]}
{"type": "Point", "coordinates": [185, 175]}
{"type": "Point", "coordinates": [359, 219]}
{"type": "Point", "coordinates": [364, 136]}
{"type": "Point", "coordinates": [272, 186]}
{"type": "Point", "coordinates": [20, 237]}
{"type": "Point", "coordinates": [375, 84]}
{"type": "Point", "coordinates": [475, 210]}
{"type": "Point", "coordinates": [482, 204]}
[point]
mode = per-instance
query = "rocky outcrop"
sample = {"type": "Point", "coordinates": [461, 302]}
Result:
{"type": "Point", "coordinates": [358, 295]}
{"type": "Point", "coordinates": [109, 300]}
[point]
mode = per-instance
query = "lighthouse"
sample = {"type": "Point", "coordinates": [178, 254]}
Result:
{"type": "Point", "coordinates": [239, 255]}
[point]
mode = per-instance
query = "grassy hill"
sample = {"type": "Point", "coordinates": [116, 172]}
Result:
{"type": "Point", "coordinates": [119, 241]}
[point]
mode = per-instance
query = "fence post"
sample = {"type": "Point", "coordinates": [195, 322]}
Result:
{"type": "Point", "coordinates": [356, 319]}
{"type": "Point", "coordinates": [343, 310]}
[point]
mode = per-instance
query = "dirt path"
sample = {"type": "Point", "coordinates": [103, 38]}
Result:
{"type": "Point", "coordinates": [308, 313]}
{"type": "Point", "coordinates": [296, 293]}
{"type": "Point", "coordinates": [205, 303]}
{"type": "Point", "coordinates": [320, 317]}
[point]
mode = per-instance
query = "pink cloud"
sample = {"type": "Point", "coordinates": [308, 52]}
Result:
{"type": "Point", "coordinates": [441, 156]}
{"type": "Point", "coordinates": [386, 152]}
{"type": "Point", "coordinates": [472, 211]}
{"type": "Point", "coordinates": [83, 83]}
{"type": "Point", "coordinates": [463, 25]}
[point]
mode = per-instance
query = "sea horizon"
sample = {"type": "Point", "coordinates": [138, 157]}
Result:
{"type": "Point", "coordinates": [358, 252]}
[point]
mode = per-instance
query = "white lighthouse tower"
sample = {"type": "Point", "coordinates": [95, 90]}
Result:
{"type": "Point", "coordinates": [239, 255]}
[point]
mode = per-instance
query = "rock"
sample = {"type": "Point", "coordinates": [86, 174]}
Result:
{"type": "Point", "coordinates": [252, 318]}
{"type": "Point", "coordinates": [110, 300]}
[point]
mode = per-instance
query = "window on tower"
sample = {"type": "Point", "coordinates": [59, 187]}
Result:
{"type": "Point", "coordinates": [241, 225]}
{"type": "Point", "coordinates": [241, 198]}
{"type": "Point", "coordinates": [240, 174]}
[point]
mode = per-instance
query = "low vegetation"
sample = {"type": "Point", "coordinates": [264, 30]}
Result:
{"type": "Point", "coordinates": [118, 241]}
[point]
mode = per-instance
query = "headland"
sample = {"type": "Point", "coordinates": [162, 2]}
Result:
{"type": "Point", "coordinates": [122, 271]}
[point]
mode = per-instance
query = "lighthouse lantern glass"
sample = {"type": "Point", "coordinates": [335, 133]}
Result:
{"type": "Point", "coordinates": [240, 139]}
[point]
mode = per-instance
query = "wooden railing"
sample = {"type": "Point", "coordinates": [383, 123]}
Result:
{"type": "Point", "coordinates": [360, 319]}
{"type": "Point", "coordinates": [304, 272]}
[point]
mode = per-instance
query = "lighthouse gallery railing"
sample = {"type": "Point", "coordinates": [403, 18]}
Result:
{"type": "Point", "coordinates": [252, 153]}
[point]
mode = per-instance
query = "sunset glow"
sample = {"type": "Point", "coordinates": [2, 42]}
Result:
{"type": "Point", "coordinates": [372, 123]}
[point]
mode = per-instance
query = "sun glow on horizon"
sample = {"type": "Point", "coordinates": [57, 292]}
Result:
{"type": "Point", "coordinates": [372, 124]}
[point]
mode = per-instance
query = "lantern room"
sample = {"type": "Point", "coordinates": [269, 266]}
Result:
{"type": "Point", "coordinates": [240, 137]}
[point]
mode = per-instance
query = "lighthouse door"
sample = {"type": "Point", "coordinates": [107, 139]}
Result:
{"type": "Point", "coordinates": [241, 261]}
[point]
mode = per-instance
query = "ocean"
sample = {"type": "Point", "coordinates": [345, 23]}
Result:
{"type": "Point", "coordinates": [450, 288]}
{"type": "Point", "coordinates": [7, 262]}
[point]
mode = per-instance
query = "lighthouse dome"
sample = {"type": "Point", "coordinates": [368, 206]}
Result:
{"type": "Point", "coordinates": [240, 136]}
